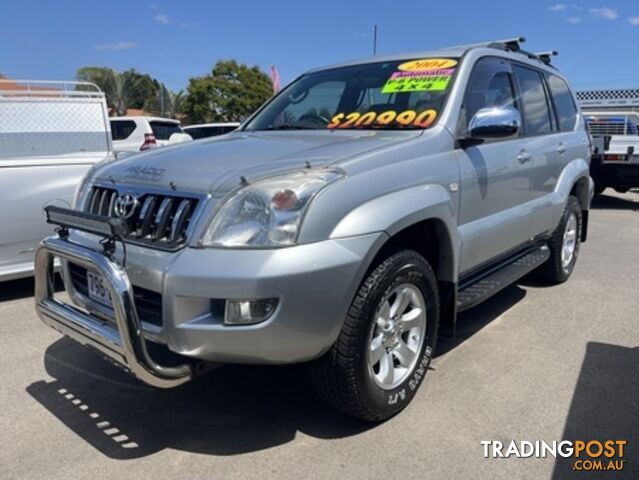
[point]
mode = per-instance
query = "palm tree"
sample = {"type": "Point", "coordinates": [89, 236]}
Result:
{"type": "Point", "coordinates": [168, 104]}
{"type": "Point", "coordinates": [120, 89]}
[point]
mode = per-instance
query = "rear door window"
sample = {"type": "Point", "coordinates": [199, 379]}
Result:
{"type": "Point", "coordinates": [565, 107]}
{"type": "Point", "coordinates": [532, 97]}
{"type": "Point", "coordinates": [164, 130]}
{"type": "Point", "coordinates": [122, 129]}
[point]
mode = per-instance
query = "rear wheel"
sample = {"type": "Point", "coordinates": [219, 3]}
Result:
{"type": "Point", "coordinates": [564, 244]}
{"type": "Point", "coordinates": [384, 349]}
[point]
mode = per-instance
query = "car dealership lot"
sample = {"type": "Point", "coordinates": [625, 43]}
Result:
{"type": "Point", "coordinates": [532, 363]}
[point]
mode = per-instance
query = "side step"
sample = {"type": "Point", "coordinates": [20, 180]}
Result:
{"type": "Point", "coordinates": [488, 283]}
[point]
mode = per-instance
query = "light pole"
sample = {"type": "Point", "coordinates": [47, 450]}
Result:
{"type": "Point", "coordinates": [375, 40]}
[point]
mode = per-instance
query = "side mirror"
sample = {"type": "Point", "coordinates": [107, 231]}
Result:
{"type": "Point", "coordinates": [495, 122]}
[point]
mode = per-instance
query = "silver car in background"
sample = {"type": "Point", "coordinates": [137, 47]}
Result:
{"type": "Point", "coordinates": [51, 134]}
{"type": "Point", "coordinates": [344, 224]}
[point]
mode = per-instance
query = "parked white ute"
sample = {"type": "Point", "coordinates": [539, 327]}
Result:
{"type": "Point", "coordinates": [134, 134]}
{"type": "Point", "coordinates": [51, 134]}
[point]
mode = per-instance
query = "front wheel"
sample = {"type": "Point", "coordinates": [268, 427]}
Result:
{"type": "Point", "coordinates": [384, 349]}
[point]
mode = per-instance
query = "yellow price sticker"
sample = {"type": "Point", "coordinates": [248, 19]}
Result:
{"type": "Point", "coordinates": [419, 84]}
{"type": "Point", "coordinates": [436, 80]}
{"type": "Point", "coordinates": [407, 118]}
{"type": "Point", "coordinates": [426, 64]}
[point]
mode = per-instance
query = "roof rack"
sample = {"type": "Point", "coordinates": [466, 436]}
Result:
{"type": "Point", "coordinates": [546, 56]}
{"type": "Point", "coordinates": [514, 45]}
{"type": "Point", "coordinates": [509, 44]}
{"type": "Point", "coordinates": [47, 88]}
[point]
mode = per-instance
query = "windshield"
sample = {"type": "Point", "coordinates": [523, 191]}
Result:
{"type": "Point", "coordinates": [403, 94]}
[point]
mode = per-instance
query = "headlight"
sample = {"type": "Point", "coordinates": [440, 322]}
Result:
{"type": "Point", "coordinates": [267, 213]}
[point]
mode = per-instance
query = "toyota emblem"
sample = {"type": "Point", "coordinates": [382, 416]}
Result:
{"type": "Point", "coordinates": [125, 205]}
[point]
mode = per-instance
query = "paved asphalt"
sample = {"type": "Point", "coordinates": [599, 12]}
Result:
{"type": "Point", "coordinates": [533, 363]}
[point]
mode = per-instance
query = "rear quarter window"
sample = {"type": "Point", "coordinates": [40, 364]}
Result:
{"type": "Point", "coordinates": [122, 129]}
{"type": "Point", "coordinates": [565, 107]}
{"type": "Point", "coordinates": [164, 130]}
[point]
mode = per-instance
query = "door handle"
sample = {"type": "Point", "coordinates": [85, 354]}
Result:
{"type": "Point", "coordinates": [523, 156]}
{"type": "Point", "coordinates": [561, 149]}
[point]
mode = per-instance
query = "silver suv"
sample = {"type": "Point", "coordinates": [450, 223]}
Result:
{"type": "Point", "coordinates": [345, 224]}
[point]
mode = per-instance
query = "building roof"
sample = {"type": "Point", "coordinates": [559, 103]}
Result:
{"type": "Point", "coordinates": [609, 98]}
{"type": "Point", "coordinates": [130, 112]}
{"type": "Point", "coordinates": [9, 85]}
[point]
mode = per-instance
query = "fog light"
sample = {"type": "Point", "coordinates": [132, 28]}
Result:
{"type": "Point", "coordinates": [245, 312]}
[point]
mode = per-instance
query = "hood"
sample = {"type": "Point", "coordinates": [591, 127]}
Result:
{"type": "Point", "coordinates": [216, 165]}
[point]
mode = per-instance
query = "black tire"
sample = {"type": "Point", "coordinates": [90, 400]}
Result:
{"type": "Point", "coordinates": [553, 271]}
{"type": "Point", "coordinates": [342, 376]}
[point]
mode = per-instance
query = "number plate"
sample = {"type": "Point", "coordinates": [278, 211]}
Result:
{"type": "Point", "coordinates": [97, 289]}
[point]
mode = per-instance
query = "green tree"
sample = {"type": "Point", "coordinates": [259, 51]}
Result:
{"type": "Point", "coordinates": [146, 87]}
{"type": "Point", "coordinates": [129, 89]}
{"type": "Point", "coordinates": [231, 91]}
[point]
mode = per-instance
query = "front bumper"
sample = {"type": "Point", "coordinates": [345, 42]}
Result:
{"type": "Point", "coordinates": [314, 285]}
{"type": "Point", "coordinates": [125, 346]}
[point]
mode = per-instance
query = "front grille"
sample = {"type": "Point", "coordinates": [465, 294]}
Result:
{"type": "Point", "coordinates": [156, 220]}
{"type": "Point", "coordinates": [147, 302]}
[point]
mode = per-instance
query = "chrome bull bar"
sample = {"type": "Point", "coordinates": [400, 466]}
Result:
{"type": "Point", "coordinates": [126, 346]}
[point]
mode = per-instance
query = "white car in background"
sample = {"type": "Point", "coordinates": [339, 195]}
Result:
{"type": "Point", "coordinates": [205, 130]}
{"type": "Point", "coordinates": [134, 134]}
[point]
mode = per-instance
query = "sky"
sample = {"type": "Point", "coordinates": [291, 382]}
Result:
{"type": "Point", "coordinates": [173, 41]}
